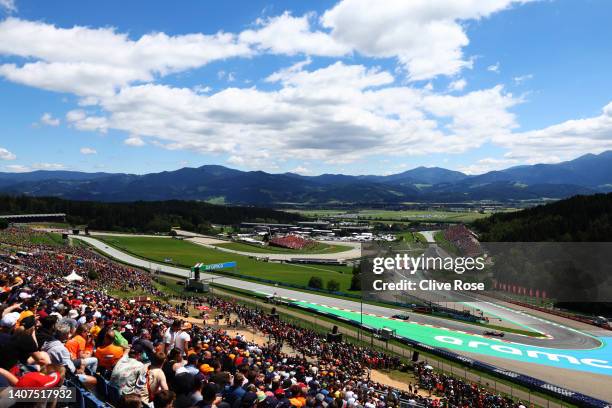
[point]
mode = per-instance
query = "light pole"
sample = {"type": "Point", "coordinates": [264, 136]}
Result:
{"type": "Point", "coordinates": [360, 315]}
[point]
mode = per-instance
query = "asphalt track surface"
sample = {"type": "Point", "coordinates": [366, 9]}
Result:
{"type": "Point", "coordinates": [352, 251]}
{"type": "Point", "coordinates": [583, 353]}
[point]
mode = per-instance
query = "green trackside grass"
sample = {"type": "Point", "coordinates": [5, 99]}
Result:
{"type": "Point", "coordinates": [187, 254]}
{"type": "Point", "coordinates": [318, 248]}
{"type": "Point", "coordinates": [412, 237]}
{"type": "Point", "coordinates": [445, 244]}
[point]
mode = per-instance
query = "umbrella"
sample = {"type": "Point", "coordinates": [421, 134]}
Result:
{"type": "Point", "coordinates": [203, 308]}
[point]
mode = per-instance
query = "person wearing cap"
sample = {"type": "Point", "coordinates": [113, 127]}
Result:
{"type": "Point", "coordinates": [130, 374]}
{"type": "Point", "coordinates": [7, 325]}
{"type": "Point", "coordinates": [96, 328]}
{"type": "Point", "coordinates": [51, 376]}
{"type": "Point", "coordinates": [206, 369]}
{"type": "Point", "coordinates": [128, 332]}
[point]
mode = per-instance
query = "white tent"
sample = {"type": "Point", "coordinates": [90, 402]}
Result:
{"type": "Point", "coordinates": [73, 277]}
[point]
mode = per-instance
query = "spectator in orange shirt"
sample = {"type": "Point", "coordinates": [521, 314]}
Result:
{"type": "Point", "coordinates": [77, 346]}
{"type": "Point", "coordinates": [108, 354]}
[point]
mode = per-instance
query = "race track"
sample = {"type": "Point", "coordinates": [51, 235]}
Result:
{"type": "Point", "coordinates": [563, 347]}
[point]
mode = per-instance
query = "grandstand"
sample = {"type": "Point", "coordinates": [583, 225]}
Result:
{"type": "Point", "coordinates": [291, 242]}
{"type": "Point", "coordinates": [463, 239]}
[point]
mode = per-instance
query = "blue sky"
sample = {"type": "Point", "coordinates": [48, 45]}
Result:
{"type": "Point", "coordinates": [310, 87]}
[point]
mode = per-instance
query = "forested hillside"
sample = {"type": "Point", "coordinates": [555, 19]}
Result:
{"type": "Point", "coordinates": [151, 216]}
{"type": "Point", "coordinates": [577, 219]}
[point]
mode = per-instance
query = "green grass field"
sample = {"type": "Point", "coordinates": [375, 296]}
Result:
{"type": "Point", "coordinates": [187, 254]}
{"type": "Point", "coordinates": [318, 248]}
{"type": "Point", "coordinates": [397, 215]}
{"type": "Point", "coordinates": [318, 213]}
{"type": "Point", "coordinates": [423, 216]}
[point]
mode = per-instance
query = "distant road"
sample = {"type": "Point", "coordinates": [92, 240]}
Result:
{"type": "Point", "coordinates": [210, 242]}
{"type": "Point", "coordinates": [353, 252]}
{"type": "Point", "coordinates": [429, 236]}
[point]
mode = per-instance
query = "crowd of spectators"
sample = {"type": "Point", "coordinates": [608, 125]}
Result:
{"type": "Point", "coordinates": [52, 330]}
{"type": "Point", "coordinates": [459, 393]}
{"type": "Point", "coordinates": [462, 238]}
{"type": "Point", "coordinates": [291, 242]}
{"type": "Point", "coordinates": [27, 238]}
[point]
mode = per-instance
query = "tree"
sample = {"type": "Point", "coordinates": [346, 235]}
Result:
{"type": "Point", "coordinates": [355, 282]}
{"type": "Point", "coordinates": [3, 224]}
{"type": "Point", "coordinates": [92, 274]}
{"type": "Point", "coordinates": [315, 282]}
{"type": "Point", "coordinates": [333, 285]}
{"type": "Point", "coordinates": [356, 278]}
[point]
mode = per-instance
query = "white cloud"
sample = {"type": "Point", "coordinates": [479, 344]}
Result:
{"type": "Point", "coordinates": [228, 76]}
{"type": "Point", "coordinates": [520, 79]}
{"type": "Point", "coordinates": [301, 170]}
{"type": "Point", "coordinates": [286, 34]}
{"type": "Point", "coordinates": [8, 5]}
{"type": "Point", "coordinates": [488, 164]}
{"type": "Point", "coordinates": [202, 89]}
{"type": "Point", "coordinates": [48, 166]}
{"type": "Point", "coordinates": [96, 61]}
{"type": "Point", "coordinates": [337, 75]}
{"type": "Point", "coordinates": [426, 37]}
{"type": "Point", "coordinates": [338, 113]}
{"type": "Point", "coordinates": [6, 155]}
{"type": "Point", "coordinates": [49, 120]}
{"type": "Point", "coordinates": [457, 85]}
{"type": "Point", "coordinates": [494, 68]}
{"type": "Point", "coordinates": [88, 150]}
{"type": "Point", "coordinates": [134, 141]}
{"type": "Point", "coordinates": [17, 168]}
{"type": "Point", "coordinates": [81, 121]}
{"type": "Point", "coordinates": [562, 141]}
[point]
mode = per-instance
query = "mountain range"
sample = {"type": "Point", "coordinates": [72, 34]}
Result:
{"type": "Point", "coordinates": [587, 174]}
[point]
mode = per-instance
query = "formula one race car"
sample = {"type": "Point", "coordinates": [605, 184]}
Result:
{"type": "Point", "coordinates": [401, 317]}
{"type": "Point", "coordinates": [494, 333]}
